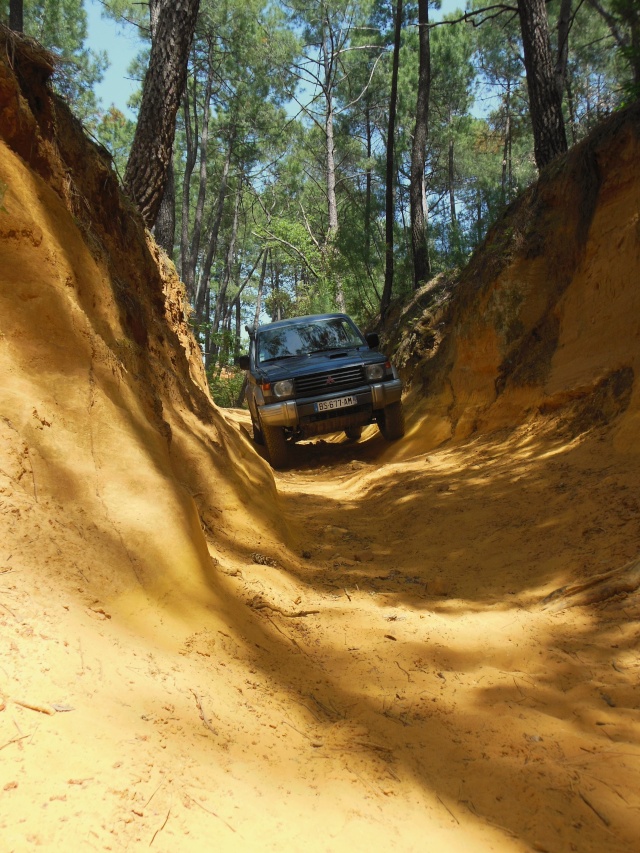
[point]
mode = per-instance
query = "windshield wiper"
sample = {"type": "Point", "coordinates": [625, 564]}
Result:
{"type": "Point", "coordinates": [278, 358]}
{"type": "Point", "coordinates": [333, 349]}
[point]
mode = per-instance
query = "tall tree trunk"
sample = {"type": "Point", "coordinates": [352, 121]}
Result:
{"type": "Point", "coordinates": [390, 168]}
{"type": "Point", "coordinates": [191, 155]}
{"type": "Point", "coordinates": [545, 102]}
{"type": "Point", "coordinates": [189, 269]}
{"type": "Point", "coordinates": [451, 182]}
{"type": "Point", "coordinates": [165, 228]}
{"type": "Point", "coordinates": [417, 188]}
{"type": "Point", "coordinates": [263, 275]}
{"type": "Point", "coordinates": [506, 156]}
{"type": "Point", "coordinates": [573, 122]}
{"type": "Point", "coordinates": [276, 313]}
{"type": "Point", "coordinates": [146, 172]}
{"type": "Point", "coordinates": [332, 203]}
{"type": "Point", "coordinates": [332, 206]}
{"type": "Point", "coordinates": [228, 265]}
{"type": "Point", "coordinates": [238, 317]}
{"type": "Point", "coordinates": [16, 15]}
{"type": "Point", "coordinates": [368, 188]}
{"type": "Point", "coordinates": [212, 247]}
{"type": "Point", "coordinates": [455, 246]}
{"type": "Point", "coordinates": [562, 55]}
{"type": "Point", "coordinates": [207, 331]}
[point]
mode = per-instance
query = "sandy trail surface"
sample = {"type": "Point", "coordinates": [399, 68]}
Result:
{"type": "Point", "coordinates": [387, 678]}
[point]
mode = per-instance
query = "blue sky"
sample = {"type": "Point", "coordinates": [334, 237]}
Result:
{"type": "Point", "coordinates": [122, 45]}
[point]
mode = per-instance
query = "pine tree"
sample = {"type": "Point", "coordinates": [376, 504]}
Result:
{"type": "Point", "coordinates": [150, 156]}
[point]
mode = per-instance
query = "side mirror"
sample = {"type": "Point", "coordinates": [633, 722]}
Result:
{"type": "Point", "coordinates": [373, 340]}
{"type": "Point", "coordinates": [243, 362]}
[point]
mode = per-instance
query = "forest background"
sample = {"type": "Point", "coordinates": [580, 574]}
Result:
{"type": "Point", "coordinates": [293, 178]}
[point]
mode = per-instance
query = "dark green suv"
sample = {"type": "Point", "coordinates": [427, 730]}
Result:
{"type": "Point", "coordinates": [315, 375]}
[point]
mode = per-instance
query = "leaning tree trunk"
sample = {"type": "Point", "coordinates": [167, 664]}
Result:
{"type": "Point", "coordinates": [146, 172]}
{"type": "Point", "coordinates": [390, 170]}
{"type": "Point", "coordinates": [417, 188]}
{"type": "Point", "coordinates": [165, 228]}
{"type": "Point", "coordinates": [545, 102]}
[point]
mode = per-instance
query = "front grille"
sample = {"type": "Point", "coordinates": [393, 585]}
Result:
{"type": "Point", "coordinates": [328, 381]}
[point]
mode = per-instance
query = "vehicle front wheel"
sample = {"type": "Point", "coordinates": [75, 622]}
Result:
{"type": "Point", "coordinates": [391, 421]}
{"type": "Point", "coordinates": [353, 433]}
{"type": "Point", "coordinates": [276, 445]}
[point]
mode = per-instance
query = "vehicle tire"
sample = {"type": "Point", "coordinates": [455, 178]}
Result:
{"type": "Point", "coordinates": [353, 433]}
{"type": "Point", "coordinates": [391, 421]}
{"type": "Point", "coordinates": [257, 433]}
{"type": "Point", "coordinates": [276, 445]}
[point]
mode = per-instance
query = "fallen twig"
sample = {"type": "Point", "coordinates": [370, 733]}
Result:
{"type": "Point", "coordinates": [402, 669]}
{"type": "Point", "coordinates": [202, 714]}
{"type": "Point", "coordinates": [153, 795]}
{"type": "Point", "coordinates": [313, 741]}
{"type": "Point", "coordinates": [280, 631]}
{"type": "Point", "coordinates": [13, 740]}
{"type": "Point", "coordinates": [209, 811]}
{"type": "Point", "coordinates": [448, 809]}
{"type": "Point", "coordinates": [160, 828]}
{"type": "Point", "coordinates": [8, 609]}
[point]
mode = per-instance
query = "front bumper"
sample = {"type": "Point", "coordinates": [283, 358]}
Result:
{"type": "Point", "coordinates": [291, 413]}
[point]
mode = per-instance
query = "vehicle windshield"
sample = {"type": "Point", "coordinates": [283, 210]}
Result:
{"type": "Point", "coordinates": [304, 338]}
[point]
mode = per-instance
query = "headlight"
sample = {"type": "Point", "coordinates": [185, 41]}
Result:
{"type": "Point", "coordinates": [375, 372]}
{"type": "Point", "coordinates": [283, 388]}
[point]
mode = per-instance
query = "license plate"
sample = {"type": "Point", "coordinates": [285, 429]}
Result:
{"type": "Point", "coordinates": [340, 403]}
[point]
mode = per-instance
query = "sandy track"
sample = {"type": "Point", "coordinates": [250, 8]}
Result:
{"type": "Point", "coordinates": [386, 676]}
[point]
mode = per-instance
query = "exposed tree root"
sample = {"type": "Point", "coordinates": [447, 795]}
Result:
{"type": "Point", "coordinates": [258, 603]}
{"type": "Point", "coordinates": [625, 579]}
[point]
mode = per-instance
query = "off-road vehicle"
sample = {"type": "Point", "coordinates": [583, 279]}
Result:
{"type": "Point", "coordinates": [314, 375]}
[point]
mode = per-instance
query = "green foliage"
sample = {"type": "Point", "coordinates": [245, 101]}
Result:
{"type": "Point", "coordinates": [277, 71]}
{"type": "Point", "coordinates": [115, 131]}
{"type": "Point", "coordinates": [225, 386]}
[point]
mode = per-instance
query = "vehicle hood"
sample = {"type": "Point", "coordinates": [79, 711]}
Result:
{"type": "Point", "coordinates": [304, 365]}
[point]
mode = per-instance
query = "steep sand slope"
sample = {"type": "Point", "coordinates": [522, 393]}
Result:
{"type": "Point", "coordinates": [105, 411]}
{"type": "Point", "coordinates": [546, 317]}
{"type": "Point", "coordinates": [365, 658]}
